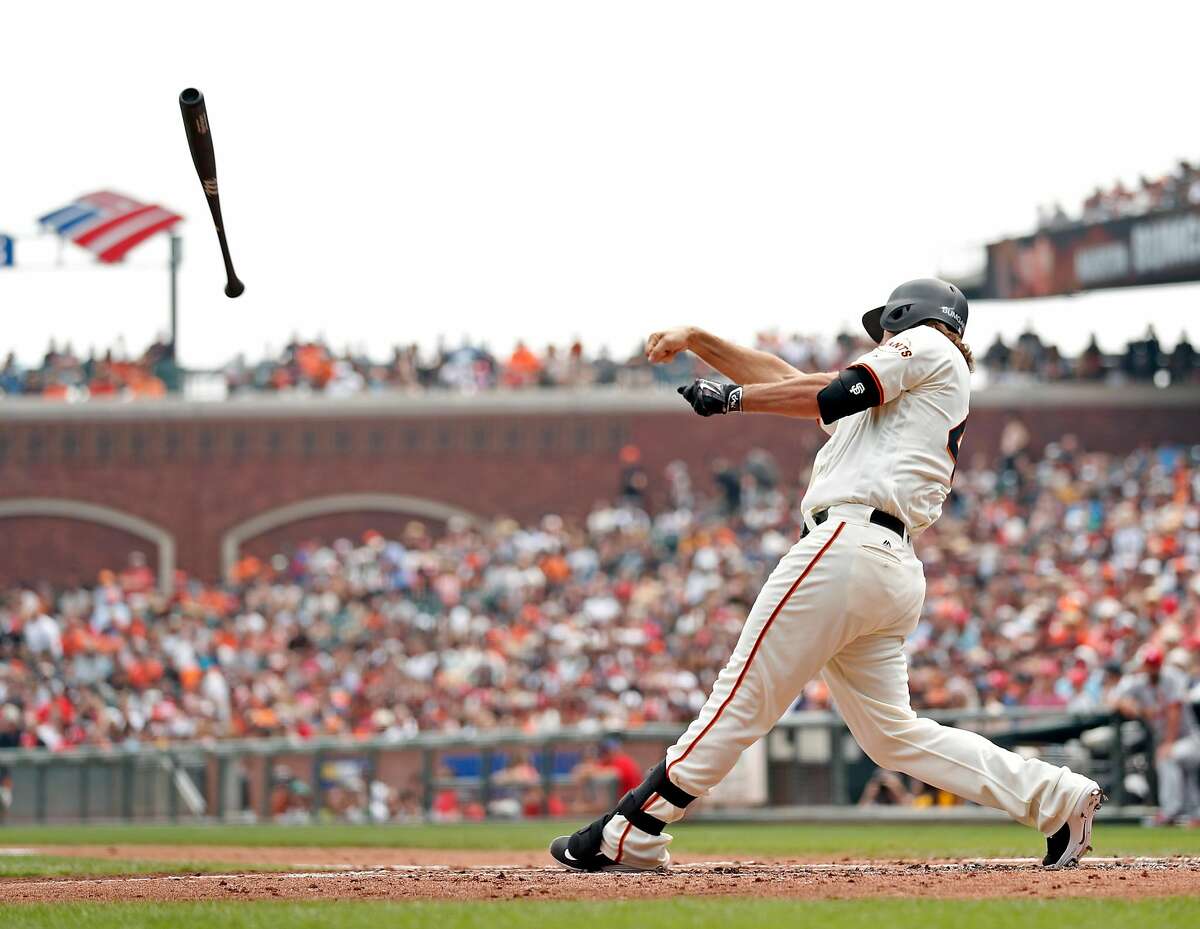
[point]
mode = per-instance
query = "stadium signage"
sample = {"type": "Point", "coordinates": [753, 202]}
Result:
{"type": "Point", "coordinates": [1156, 249]}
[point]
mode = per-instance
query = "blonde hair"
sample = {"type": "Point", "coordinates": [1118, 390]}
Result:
{"type": "Point", "coordinates": [954, 337]}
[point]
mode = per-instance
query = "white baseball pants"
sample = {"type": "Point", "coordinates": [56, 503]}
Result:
{"type": "Point", "coordinates": [841, 602]}
{"type": "Point", "coordinates": [1178, 791]}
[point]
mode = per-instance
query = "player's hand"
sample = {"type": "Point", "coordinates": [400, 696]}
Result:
{"type": "Point", "coordinates": [708, 398]}
{"type": "Point", "coordinates": [663, 346]}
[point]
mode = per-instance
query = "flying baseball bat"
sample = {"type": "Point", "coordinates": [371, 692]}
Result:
{"type": "Point", "coordinates": [199, 136]}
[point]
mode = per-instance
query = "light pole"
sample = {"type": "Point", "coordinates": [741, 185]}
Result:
{"type": "Point", "coordinates": [176, 258]}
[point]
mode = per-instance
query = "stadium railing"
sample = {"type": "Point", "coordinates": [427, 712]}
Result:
{"type": "Point", "coordinates": [810, 761]}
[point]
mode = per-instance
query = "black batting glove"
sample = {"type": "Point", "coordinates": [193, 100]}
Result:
{"type": "Point", "coordinates": [711, 397]}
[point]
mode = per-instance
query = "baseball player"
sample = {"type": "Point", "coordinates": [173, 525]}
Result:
{"type": "Point", "coordinates": [842, 601]}
{"type": "Point", "coordinates": [1159, 695]}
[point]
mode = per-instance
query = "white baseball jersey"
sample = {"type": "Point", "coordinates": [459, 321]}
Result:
{"type": "Point", "coordinates": [899, 457]}
{"type": "Point", "coordinates": [1171, 687]}
{"type": "Point", "coordinates": [841, 603]}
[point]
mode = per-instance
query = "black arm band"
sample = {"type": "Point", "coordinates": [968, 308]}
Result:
{"type": "Point", "coordinates": [852, 391]}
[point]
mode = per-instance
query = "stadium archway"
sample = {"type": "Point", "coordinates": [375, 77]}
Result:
{"type": "Point", "coordinates": [231, 541]}
{"type": "Point", "coordinates": [58, 508]}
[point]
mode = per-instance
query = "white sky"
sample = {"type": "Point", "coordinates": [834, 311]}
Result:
{"type": "Point", "coordinates": [395, 171]}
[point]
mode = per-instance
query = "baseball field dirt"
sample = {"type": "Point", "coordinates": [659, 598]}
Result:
{"type": "Point", "coordinates": [408, 875]}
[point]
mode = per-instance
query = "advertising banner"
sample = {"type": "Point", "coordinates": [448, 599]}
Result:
{"type": "Point", "coordinates": [1158, 248]}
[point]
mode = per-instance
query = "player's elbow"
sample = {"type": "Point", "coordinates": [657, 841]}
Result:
{"type": "Point", "coordinates": [851, 391]}
{"type": "Point", "coordinates": [806, 390]}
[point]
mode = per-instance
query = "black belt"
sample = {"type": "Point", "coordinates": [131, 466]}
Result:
{"type": "Point", "coordinates": [878, 517]}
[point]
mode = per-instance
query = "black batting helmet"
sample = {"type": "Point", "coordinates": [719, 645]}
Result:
{"type": "Point", "coordinates": [914, 302]}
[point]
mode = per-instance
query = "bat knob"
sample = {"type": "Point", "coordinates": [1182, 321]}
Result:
{"type": "Point", "coordinates": [234, 288]}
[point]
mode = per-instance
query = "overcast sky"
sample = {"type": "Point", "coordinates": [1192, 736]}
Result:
{"type": "Point", "coordinates": [395, 171]}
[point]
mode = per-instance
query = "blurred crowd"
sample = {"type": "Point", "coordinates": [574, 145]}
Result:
{"type": "Point", "coordinates": [1056, 580]}
{"type": "Point", "coordinates": [1028, 359]}
{"type": "Point", "coordinates": [316, 368]}
{"type": "Point", "coordinates": [1172, 191]}
{"type": "Point", "coordinates": [313, 368]}
{"type": "Point", "coordinates": [63, 374]}
{"type": "Point", "coordinates": [1047, 576]}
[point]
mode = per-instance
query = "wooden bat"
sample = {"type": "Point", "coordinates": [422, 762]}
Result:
{"type": "Point", "coordinates": [199, 136]}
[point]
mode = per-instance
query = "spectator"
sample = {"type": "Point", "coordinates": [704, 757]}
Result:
{"type": "Point", "coordinates": [447, 802]}
{"type": "Point", "coordinates": [10, 737]}
{"type": "Point", "coordinates": [1143, 358]}
{"type": "Point", "coordinates": [1160, 696]}
{"type": "Point", "coordinates": [612, 759]}
{"type": "Point", "coordinates": [729, 479]}
{"type": "Point", "coordinates": [1184, 364]}
{"type": "Point", "coordinates": [536, 802]}
{"type": "Point", "coordinates": [523, 367]}
{"type": "Point", "coordinates": [42, 633]}
{"type": "Point", "coordinates": [998, 355]}
{"type": "Point", "coordinates": [518, 772]}
{"type": "Point", "coordinates": [886, 788]}
{"type": "Point", "coordinates": [1091, 361]}
{"type": "Point", "coordinates": [634, 480]}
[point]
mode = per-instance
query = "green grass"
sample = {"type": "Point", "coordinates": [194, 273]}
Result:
{"type": "Point", "coordinates": [882, 840]}
{"type": "Point", "coordinates": [52, 866]}
{"type": "Point", "coordinates": [707, 913]}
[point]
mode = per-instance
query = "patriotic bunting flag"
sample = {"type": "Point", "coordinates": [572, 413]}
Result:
{"type": "Point", "coordinates": [109, 224]}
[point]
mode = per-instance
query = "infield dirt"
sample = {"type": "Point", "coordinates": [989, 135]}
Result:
{"type": "Point", "coordinates": [411, 874]}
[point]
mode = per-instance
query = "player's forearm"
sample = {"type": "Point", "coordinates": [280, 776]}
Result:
{"type": "Point", "coordinates": [795, 396]}
{"type": "Point", "coordinates": [741, 365]}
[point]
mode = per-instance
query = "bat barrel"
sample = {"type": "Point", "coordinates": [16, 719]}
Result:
{"type": "Point", "coordinates": [199, 136]}
{"type": "Point", "coordinates": [195, 124]}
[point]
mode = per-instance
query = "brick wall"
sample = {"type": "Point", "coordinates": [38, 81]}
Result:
{"type": "Point", "coordinates": [67, 550]}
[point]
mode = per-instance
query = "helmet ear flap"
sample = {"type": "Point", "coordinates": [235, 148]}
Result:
{"type": "Point", "coordinates": [872, 321]}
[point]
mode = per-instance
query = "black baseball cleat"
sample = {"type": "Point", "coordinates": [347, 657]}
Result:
{"type": "Point", "coordinates": [581, 851]}
{"type": "Point", "coordinates": [1074, 839]}
{"type": "Point", "coordinates": [560, 850]}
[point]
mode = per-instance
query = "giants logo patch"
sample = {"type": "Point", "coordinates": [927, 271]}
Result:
{"type": "Point", "coordinates": [858, 388]}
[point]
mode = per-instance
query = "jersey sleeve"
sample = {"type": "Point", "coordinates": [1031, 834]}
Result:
{"type": "Point", "coordinates": [1125, 689]}
{"type": "Point", "coordinates": [1173, 688]}
{"type": "Point", "coordinates": [904, 361]}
